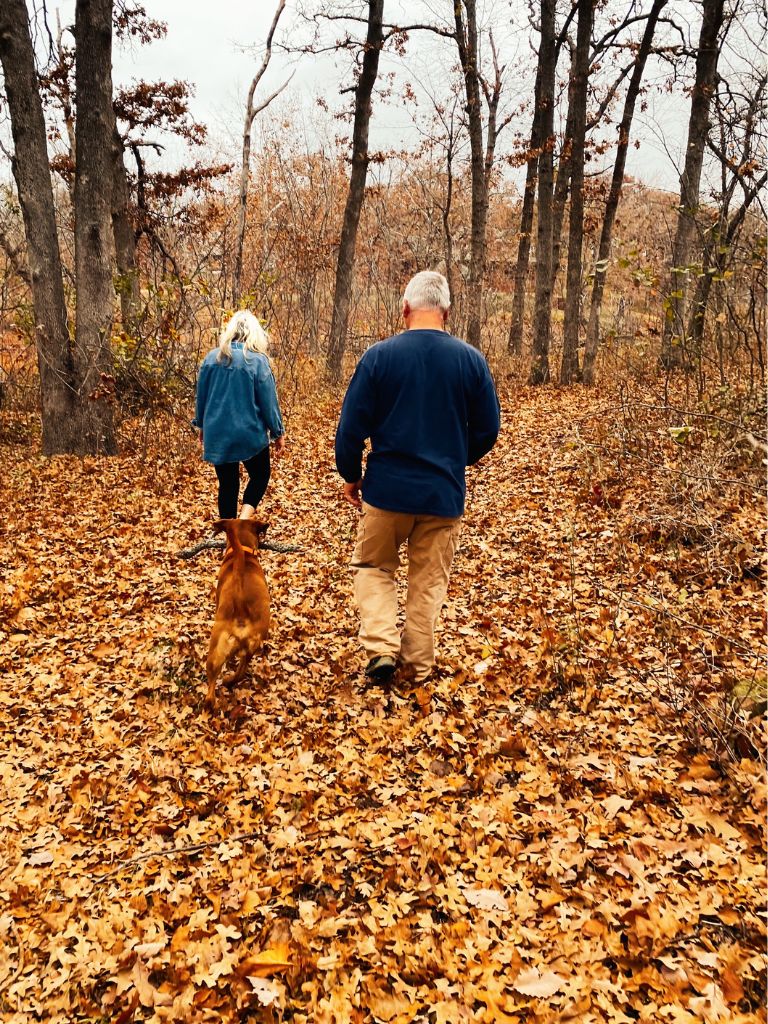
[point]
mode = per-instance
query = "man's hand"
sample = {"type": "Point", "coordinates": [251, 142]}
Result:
{"type": "Point", "coordinates": [200, 438]}
{"type": "Point", "coordinates": [352, 494]}
{"type": "Point", "coordinates": [279, 446]}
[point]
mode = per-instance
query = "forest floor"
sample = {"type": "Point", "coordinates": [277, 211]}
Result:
{"type": "Point", "coordinates": [546, 831]}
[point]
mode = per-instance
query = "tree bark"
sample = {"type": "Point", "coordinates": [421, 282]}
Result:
{"type": "Point", "coordinates": [729, 226]}
{"type": "Point", "coordinates": [337, 342]}
{"type": "Point", "coordinates": [539, 372]}
{"type": "Point", "coordinates": [33, 181]}
{"type": "Point", "coordinates": [515, 342]}
{"type": "Point", "coordinates": [614, 195]}
{"type": "Point", "coordinates": [129, 286]}
{"type": "Point", "coordinates": [94, 178]}
{"type": "Point", "coordinates": [673, 345]}
{"type": "Point", "coordinates": [245, 170]}
{"type": "Point", "coordinates": [569, 369]}
{"type": "Point", "coordinates": [562, 183]}
{"type": "Point", "coordinates": [466, 40]}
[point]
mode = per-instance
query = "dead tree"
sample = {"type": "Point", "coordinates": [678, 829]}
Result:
{"type": "Point", "coordinates": [481, 162]}
{"type": "Point", "coordinates": [539, 372]}
{"type": "Point", "coordinates": [124, 235]}
{"type": "Point", "coordinates": [515, 341]}
{"type": "Point", "coordinates": [614, 195]}
{"type": "Point", "coordinates": [569, 370]}
{"type": "Point", "coordinates": [673, 345]}
{"type": "Point", "coordinates": [251, 112]}
{"type": "Point", "coordinates": [374, 42]}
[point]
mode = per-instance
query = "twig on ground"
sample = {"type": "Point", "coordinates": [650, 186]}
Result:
{"type": "Point", "coordinates": [20, 965]}
{"type": "Point", "coordinates": [173, 851]}
{"type": "Point", "coordinates": [219, 544]}
{"type": "Point", "coordinates": [661, 610]}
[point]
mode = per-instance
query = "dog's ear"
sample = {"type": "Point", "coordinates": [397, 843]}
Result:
{"type": "Point", "coordinates": [261, 528]}
{"type": "Point", "coordinates": [220, 526]}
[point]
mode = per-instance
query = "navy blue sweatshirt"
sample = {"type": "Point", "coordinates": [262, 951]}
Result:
{"type": "Point", "coordinates": [427, 402]}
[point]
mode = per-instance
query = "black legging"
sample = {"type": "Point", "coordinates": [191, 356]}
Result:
{"type": "Point", "coordinates": [228, 473]}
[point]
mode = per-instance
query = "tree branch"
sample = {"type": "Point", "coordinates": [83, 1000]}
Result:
{"type": "Point", "coordinates": [219, 544]}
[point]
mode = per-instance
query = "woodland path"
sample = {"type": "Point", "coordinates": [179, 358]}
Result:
{"type": "Point", "coordinates": [531, 838]}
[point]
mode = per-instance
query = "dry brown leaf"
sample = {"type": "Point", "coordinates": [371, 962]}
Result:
{"type": "Point", "coordinates": [539, 986]}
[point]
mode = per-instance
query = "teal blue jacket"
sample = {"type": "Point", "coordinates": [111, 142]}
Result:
{"type": "Point", "coordinates": [237, 408]}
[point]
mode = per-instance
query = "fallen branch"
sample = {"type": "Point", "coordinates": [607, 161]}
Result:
{"type": "Point", "coordinates": [218, 543]}
{"type": "Point", "coordinates": [176, 850]}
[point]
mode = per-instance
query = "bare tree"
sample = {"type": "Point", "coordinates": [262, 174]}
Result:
{"type": "Point", "coordinates": [124, 233]}
{"type": "Point", "coordinates": [515, 341]}
{"type": "Point", "coordinates": [740, 116]}
{"type": "Point", "coordinates": [569, 369]}
{"type": "Point", "coordinates": [251, 112]}
{"type": "Point", "coordinates": [609, 217]}
{"type": "Point", "coordinates": [33, 181]}
{"type": "Point", "coordinates": [539, 372]}
{"type": "Point", "coordinates": [482, 158]}
{"type": "Point", "coordinates": [673, 353]}
{"type": "Point", "coordinates": [374, 43]}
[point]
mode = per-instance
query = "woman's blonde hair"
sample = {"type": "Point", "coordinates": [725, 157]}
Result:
{"type": "Point", "coordinates": [244, 327]}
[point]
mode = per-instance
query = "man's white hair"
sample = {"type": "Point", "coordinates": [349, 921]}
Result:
{"type": "Point", "coordinates": [428, 290]}
{"type": "Point", "coordinates": [244, 327]}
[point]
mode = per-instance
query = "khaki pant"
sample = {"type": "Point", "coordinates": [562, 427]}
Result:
{"type": "Point", "coordinates": [432, 542]}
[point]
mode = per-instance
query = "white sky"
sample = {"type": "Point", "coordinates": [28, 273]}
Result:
{"type": "Point", "coordinates": [205, 45]}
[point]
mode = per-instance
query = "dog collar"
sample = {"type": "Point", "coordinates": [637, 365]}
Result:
{"type": "Point", "coordinates": [231, 551]}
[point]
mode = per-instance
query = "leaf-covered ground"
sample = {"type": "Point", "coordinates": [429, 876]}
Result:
{"type": "Point", "coordinates": [535, 836]}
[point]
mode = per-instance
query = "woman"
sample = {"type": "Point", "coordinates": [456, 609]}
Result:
{"type": "Point", "coordinates": [237, 413]}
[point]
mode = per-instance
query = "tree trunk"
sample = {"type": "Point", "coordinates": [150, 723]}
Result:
{"type": "Point", "coordinates": [450, 269]}
{"type": "Point", "coordinates": [124, 235]}
{"type": "Point", "coordinates": [94, 178]}
{"type": "Point", "coordinates": [606, 236]}
{"type": "Point", "coordinates": [515, 342]}
{"type": "Point", "coordinates": [724, 238]}
{"type": "Point", "coordinates": [337, 342]}
{"type": "Point", "coordinates": [569, 370]}
{"type": "Point", "coordinates": [466, 39]}
{"type": "Point", "coordinates": [539, 373]}
{"type": "Point", "coordinates": [673, 348]}
{"type": "Point", "coordinates": [245, 170]}
{"type": "Point", "coordinates": [563, 182]}
{"type": "Point", "coordinates": [33, 180]}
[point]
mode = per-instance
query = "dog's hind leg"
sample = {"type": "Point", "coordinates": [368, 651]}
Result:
{"type": "Point", "coordinates": [219, 650]}
{"type": "Point", "coordinates": [240, 672]}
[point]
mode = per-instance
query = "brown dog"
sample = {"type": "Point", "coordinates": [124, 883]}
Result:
{"type": "Point", "coordinates": [242, 603]}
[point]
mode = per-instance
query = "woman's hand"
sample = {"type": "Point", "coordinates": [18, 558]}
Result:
{"type": "Point", "coordinates": [279, 446]}
{"type": "Point", "coordinates": [200, 437]}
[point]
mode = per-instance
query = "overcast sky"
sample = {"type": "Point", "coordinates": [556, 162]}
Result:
{"type": "Point", "coordinates": [217, 47]}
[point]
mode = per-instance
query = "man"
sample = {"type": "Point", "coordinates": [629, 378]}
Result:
{"type": "Point", "coordinates": [427, 402]}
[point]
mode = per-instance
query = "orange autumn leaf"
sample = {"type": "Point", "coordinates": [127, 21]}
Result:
{"type": "Point", "coordinates": [269, 961]}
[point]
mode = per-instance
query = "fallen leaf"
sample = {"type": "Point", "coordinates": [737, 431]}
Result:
{"type": "Point", "coordinates": [547, 898]}
{"type": "Point", "coordinates": [39, 858]}
{"type": "Point", "coordinates": [270, 961]}
{"type": "Point", "coordinates": [267, 992]}
{"type": "Point", "coordinates": [486, 899]}
{"type": "Point", "coordinates": [539, 986]}
{"type": "Point", "coordinates": [614, 804]}
{"type": "Point", "coordinates": [732, 987]}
